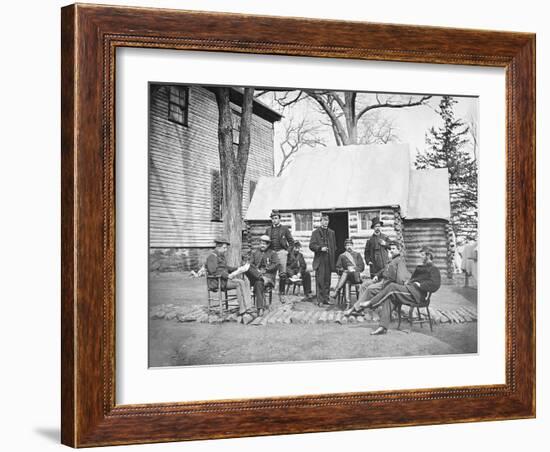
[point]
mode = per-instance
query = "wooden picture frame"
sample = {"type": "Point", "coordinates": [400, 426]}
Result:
{"type": "Point", "coordinates": [90, 36]}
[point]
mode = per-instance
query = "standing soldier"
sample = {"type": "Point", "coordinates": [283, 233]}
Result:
{"type": "Point", "coordinates": [323, 244]}
{"type": "Point", "coordinates": [376, 254]}
{"type": "Point", "coordinates": [281, 242]}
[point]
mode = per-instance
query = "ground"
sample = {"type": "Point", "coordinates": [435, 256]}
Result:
{"type": "Point", "coordinates": [173, 343]}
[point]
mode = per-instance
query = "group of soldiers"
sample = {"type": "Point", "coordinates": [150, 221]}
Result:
{"type": "Point", "coordinates": [390, 280]}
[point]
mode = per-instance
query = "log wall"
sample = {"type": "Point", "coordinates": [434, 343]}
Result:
{"type": "Point", "coordinates": [433, 233]}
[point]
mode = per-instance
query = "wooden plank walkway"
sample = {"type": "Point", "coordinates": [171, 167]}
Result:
{"type": "Point", "coordinates": [305, 313]}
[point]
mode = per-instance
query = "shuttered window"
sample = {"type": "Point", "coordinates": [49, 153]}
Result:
{"type": "Point", "coordinates": [178, 103]}
{"type": "Point", "coordinates": [236, 123]}
{"type": "Point", "coordinates": [303, 221]}
{"type": "Point", "coordinates": [217, 195]}
{"type": "Point", "coordinates": [251, 189]}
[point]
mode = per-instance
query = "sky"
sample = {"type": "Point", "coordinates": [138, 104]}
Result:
{"type": "Point", "coordinates": [410, 124]}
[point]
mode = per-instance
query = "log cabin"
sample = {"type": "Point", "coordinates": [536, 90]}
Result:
{"type": "Point", "coordinates": [354, 184]}
{"type": "Point", "coordinates": [185, 195]}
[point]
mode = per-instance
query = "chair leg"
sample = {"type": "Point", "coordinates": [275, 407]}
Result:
{"type": "Point", "coordinates": [398, 307]}
{"type": "Point", "coordinates": [429, 319]}
{"type": "Point", "coordinates": [293, 289]}
{"type": "Point", "coordinates": [411, 312]}
{"type": "Point", "coordinates": [419, 317]}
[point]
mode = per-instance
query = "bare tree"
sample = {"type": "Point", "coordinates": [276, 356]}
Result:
{"type": "Point", "coordinates": [233, 165]}
{"type": "Point", "coordinates": [298, 134]}
{"type": "Point", "coordinates": [473, 131]}
{"type": "Point", "coordinates": [376, 128]}
{"type": "Point", "coordinates": [345, 110]}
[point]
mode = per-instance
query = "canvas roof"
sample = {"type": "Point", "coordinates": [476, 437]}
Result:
{"type": "Point", "coordinates": [347, 177]}
{"type": "Point", "coordinates": [429, 194]}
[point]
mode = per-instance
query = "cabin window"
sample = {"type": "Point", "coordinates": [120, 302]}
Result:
{"type": "Point", "coordinates": [178, 104]}
{"type": "Point", "coordinates": [366, 217]}
{"type": "Point", "coordinates": [303, 221]}
{"type": "Point", "coordinates": [217, 195]}
{"type": "Point", "coordinates": [251, 189]}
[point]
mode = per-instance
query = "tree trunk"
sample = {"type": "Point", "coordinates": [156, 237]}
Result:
{"type": "Point", "coordinates": [233, 168]}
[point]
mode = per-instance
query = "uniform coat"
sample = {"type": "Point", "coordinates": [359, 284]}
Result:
{"type": "Point", "coordinates": [395, 271]}
{"type": "Point", "coordinates": [216, 265]}
{"type": "Point", "coordinates": [319, 239]}
{"type": "Point", "coordinates": [323, 261]}
{"type": "Point", "coordinates": [267, 262]}
{"type": "Point", "coordinates": [280, 236]}
{"type": "Point", "coordinates": [376, 252]}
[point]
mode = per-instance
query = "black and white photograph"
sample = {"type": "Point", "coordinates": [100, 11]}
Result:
{"type": "Point", "coordinates": [303, 224]}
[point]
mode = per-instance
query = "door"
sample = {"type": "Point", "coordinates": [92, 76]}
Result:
{"type": "Point", "coordinates": [338, 222]}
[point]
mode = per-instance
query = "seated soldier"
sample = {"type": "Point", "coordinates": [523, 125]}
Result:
{"type": "Point", "coordinates": [264, 264]}
{"type": "Point", "coordinates": [296, 269]}
{"type": "Point", "coordinates": [349, 266]}
{"type": "Point", "coordinates": [394, 271]}
{"type": "Point", "coordinates": [216, 265]}
{"type": "Point", "coordinates": [426, 278]}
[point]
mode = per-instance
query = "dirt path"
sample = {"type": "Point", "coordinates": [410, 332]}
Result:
{"type": "Point", "coordinates": [172, 343]}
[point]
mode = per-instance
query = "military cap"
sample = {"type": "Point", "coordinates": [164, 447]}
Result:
{"type": "Point", "coordinates": [275, 213]}
{"type": "Point", "coordinates": [427, 249]}
{"type": "Point", "coordinates": [221, 241]}
{"type": "Point", "coordinates": [348, 241]}
{"type": "Point", "coordinates": [265, 238]}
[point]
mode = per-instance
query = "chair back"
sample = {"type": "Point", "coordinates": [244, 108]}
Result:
{"type": "Point", "coordinates": [213, 283]}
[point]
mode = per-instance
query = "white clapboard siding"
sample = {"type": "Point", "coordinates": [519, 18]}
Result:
{"type": "Point", "coordinates": [181, 160]}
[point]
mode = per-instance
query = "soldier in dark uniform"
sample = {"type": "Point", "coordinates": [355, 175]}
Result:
{"type": "Point", "coordinates": [264, 264]}
{"type": "Point", "coordinates": [281, 242]}
{"type": "Point", "coordinates": [376, 254]}
{"type": "Point", "coordinates": [426, 278]}
{"type": "Point", "coordinates": [296, 266]}
{"type": "Point", "coordinates": [216, 265]}
{"type": "Point", "coordinates": [349, 266]}
{"type": "Point", "coordinates": [395, 271]}
{"type": "Point", "coordinates": [323, 244]}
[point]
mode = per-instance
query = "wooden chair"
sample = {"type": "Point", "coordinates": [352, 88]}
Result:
{"type": "Point", "coordinates": [425, 304]}
{"type": "Point", "coordinates": [295, 284]}
{"type": "Point", "coordinates": [343, 297]}
{"type": "Point", "coordinates": [219, 296]}
{"type": "Point", "coordinates": [268, 295]}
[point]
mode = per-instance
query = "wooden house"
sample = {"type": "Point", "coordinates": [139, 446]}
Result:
{"type": "Point", "coordinates": [185, 193]}
{"type": "Point", "coordinates": [354, 184]}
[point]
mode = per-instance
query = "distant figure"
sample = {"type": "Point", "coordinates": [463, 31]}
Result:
{"type": "Point", "coordinates": [395, 271]}
{"type": "Point", "coordinates": [376, 255]}
{"type": "Point", "coordinates": [281, 242]}
{"type": "Point", "coordinates": [296, 269]}
{"type": "Point", "coordinates": [323, 244]}
{"type": "Point", "coordinates": [426, 278]}
{"type": "Point", "coordinates": [264, 264]}
{"type": "Point", "coordinates": [349, 266]}
{"type": "Point", "coordinates": [216, 265]}
{"type": "Point", "coordinates": [469, 261]}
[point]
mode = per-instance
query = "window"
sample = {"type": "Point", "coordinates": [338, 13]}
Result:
{"type": "Point", "coordinates": [236, 122]}
{"type": "Point", "coordinates": [366, 217]}
{"type": "Point", "coordinates": [251, 189]}
{"type": "Point", "coordinates": [178, 103]}
{"type": "Point", "coordinates": [216, 190]}
{"type": "Point", "coordinates": [303, 221]}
